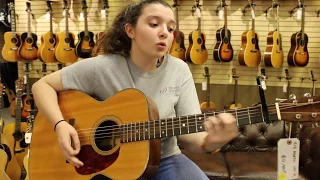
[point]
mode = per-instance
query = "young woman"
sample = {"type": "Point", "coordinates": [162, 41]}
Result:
{"type": "Point", "coordinates": [136, 57]}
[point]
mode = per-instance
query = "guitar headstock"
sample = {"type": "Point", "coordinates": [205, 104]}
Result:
{"type": "Point", "coordinates": [28, 7]}
{"type": "Point", "coordinates": [312, 76]}
{"type": "Point", "coordinates": [20, 84]}
{"type": "Point", "coordinates": [84, 5]}
{"type": "Point", "coordinates": [44, 68]}
{"type": "Point", "coordinates": [206, 72]}
{"type": "Point", "coordinates": [106, 4]}
{"type": "Point", "coordinates": [287, 75]}
{"type": "Point", "coordinates": [298, 110]}
{"type": "Point", "coordinates": [65, 5]}
{"type": "Point", "coordinates": [175, 3]}
{"type": "Point", "coordinates": [49, 7]}
{"type": "Point", "coordinates": [223, 3]}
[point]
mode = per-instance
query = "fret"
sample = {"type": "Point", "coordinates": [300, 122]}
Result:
{"type": "Point", "coordinates": [166, 127]}
{"type": "Point", "coordinates": [127, 131]}
{"type": "Point", "coordinates": [249, 115]}
{"type": "Point", "coordinates": [131, 131]}
{"type": "Point", "coordinates": [160, 124]}
{"type": "Point", "coordinates": [139, 131]}
{"type": "Point", "coordinates": [148, 129]}
{"type": "Point", "coordinates": [180, 124]}
{"type": "Point", "coordinates": [154, 129]}
{"type": "Point", "coordinates": [237, 116]}
{"type": "Point", "coordinates": [262, 113]}
{"type": "Point", "coordinates": [188, 125]}
{"type": "Point", "coordinates": [172, 126]}
{"type": "Point", "coordinates": [195, 117]}
{"type": "Point", "coordinates": [135, 131]}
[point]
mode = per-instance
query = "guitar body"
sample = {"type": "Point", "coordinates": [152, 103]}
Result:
{"type": "Point", "coordinates": [273, 56]}
{"type": "Point", "coordinates": [26, 106]}
{"type": "Point", "coordinates": [197, 52]}
{"type": "Point", "coordinates": [12, 108]}
{"type": "Point", "coordinates": [10, 48]}
{"type": "Point", "coordinates": [28, 50]}
{"type": "Point", "coordinates": [178, 49]}
{"type": "Point", "coordinates": [3, 165]}
{"type": "Point", "coordinates": [223, 51]}
{"type": "Point", "coordinates": [249, 54]}
{"type": "Point", "coordinates": [298, 54]}
{"type": "Point", "coordinates": [101, 162]}
{"type": "Point", "coordinates": [11, 98]}
{"type": "Point", "coordinates": [207, 107]}
{"type": "Point", "coordinates": [39, 49]}
{"type": "Point", "coordinates": [234, 106]}
{"type": "Point", "coordinates": [26, 166]}
{"type": "Point", "coordinates": [47, 48]}
{"type": "Point", "coordinates": [13, 169]}
{"type": "Point", "coordinates": [64, 51]}
{"type": "Point", "coordinates": [20, 144]}
{"type": "Point", "coordinates": [85, 45]}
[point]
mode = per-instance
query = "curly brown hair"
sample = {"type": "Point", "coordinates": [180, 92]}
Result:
{"type": "Point", "coordinates": [115, 40]}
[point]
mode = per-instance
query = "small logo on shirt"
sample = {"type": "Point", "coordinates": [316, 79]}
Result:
{"type": "Point", "coordinates": [170, 90]}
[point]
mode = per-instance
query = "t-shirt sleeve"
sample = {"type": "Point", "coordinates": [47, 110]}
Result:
{"type": "Point", "coordinates": [80, 76]}
{"type": "Point", "coordinates": [188, 103]}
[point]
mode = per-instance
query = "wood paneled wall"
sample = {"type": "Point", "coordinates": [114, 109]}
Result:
{"type": "Point", "coordinates": [237, 23]}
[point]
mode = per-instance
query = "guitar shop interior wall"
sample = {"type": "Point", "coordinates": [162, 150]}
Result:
{"type": "Point", "coordinates": [239, 20]}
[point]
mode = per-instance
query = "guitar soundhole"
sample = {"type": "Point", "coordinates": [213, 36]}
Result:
{"type": "Point", "coordinates": [100, 177]}
{"type": "Point", "coordinates": [29, 101]}
{"type": "Point", "coordinates": [199, 40]}
{"type": "Point", "coordinates": [178, 39]}
{"type": "Point", "coordinates": [225, 40]}
{"type": "Point", "coordinates": [86, 38]}
{"type": "Point", "coordinates": [278, 42]}
{"type": "Point", "coordinates": [23, 144]}
{"type": "Point", "coordinates": [106, 135]}
{"type": "Point", "coordinates": [7, 150]}
{"type": "Point", "coordinates": [14, 40]}
{"type": "Point", "coordinates": [253, 41]}
{"type": "Point", "coordinates": [51, 41]}
{"type": "Point", "coordinates": [67, 40]}
{"type": "Point", "coordinates": [29, 40]}
{"type": "Point", "coordinates": [18, 135]}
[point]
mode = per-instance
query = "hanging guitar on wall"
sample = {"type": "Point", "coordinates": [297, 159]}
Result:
{"type": "Point", "coordinates": [235, 103]}
{"type": "Point", "coordinates": [223, 51]}
{"type": "Point", "coordinates": [86, 42]}
{"type": "Point", "coordinates": [298, 54]}
{"type": "Point", "coordinates": [207, 106]}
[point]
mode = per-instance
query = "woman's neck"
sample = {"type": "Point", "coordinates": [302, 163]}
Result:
{"type": "Point", "coordinates": [145, 63]}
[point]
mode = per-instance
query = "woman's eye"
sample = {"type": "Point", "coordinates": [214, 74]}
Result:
{"type": "Point", "coordinates": [153, 25]}
{"type": "Point", "coordinates": [170, 29]}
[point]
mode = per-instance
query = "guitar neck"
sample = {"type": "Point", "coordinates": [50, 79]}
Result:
{"type": "Point", "coordinates": [302, 23]}
{"type": "Point", "coordinates": [67, 22]}
{"type": "Point", "coordinates": [29, 24]}
{"type": "Point", "coordinates": [208, 91]}
{"type": "Point", "coordinates": [18, 110]}
{"type": "Point", "coordinates": [177, 19]}
{"type": "Point", "coordinates": [225, 21]}
{"type": "Point", "coordinates": [235, 91]}
{"type": "Point", "coordinates": [51, 28]}
{"type": "Point", "coordinates": [86, 32]}
{"type": "Point", "coordinates": [183, 125]}
{"type": "Point", "coordinates": [199, 27]}
{"type": "Point", "coordinates": [13, 21]}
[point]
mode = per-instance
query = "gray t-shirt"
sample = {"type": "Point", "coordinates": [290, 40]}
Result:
{"type": "Point", "coordinates": [170, 86]}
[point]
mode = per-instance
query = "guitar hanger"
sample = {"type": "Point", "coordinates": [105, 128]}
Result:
{"type": "Point", "coordinates": [249, 5]}
{"type": "Point", "coordinates": [221, 6]}
{"type": "Point", "coordinates": [318, 13]}
{"type": "Point", "coordinates": [274, 5]}
{"type": "Point", "coordinates": [300, 5]}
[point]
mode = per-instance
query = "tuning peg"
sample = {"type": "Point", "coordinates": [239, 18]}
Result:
{"type": "Point", "coordinates": [292, 96]}
{"type": "Point", "coordinates": [306, 95]}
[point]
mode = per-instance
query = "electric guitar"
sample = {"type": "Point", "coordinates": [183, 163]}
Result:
{"type": "Point", "coordinates": [208, 105]}
{"type": "Point", "coordinates": [64, 51]}
{"type": "Point", "coordinates": [223, 51]}
{"type": "Point", "coordinates": [7, 158]}
{"type": "Point", "coordinates": [250, 54]}
{"type": "Point", "coordinates": [85, 38]}
{"type": "Point", "coordinates": [234, 104]}
{"type": "Point", "coordinates": [17, 129]}
{"type": "Point", "coordinates": [177, 48]}
{"type": "Point", "coordinates": [197, 52]}
{"type": "Point", "coordinates": [98, 49]}
{"type": "Point", "coordinates": [119, 133]}
{"type": "Point", "coordinates": [298, 54]}
{"type": "Point", "coordinates": [28, 51]}
{"type": "Point", "coordinates": [273, 56]}
{"type": "Point", "coordinates": [11, 39]}
{"type": "Point", "coordinates": [48, 41]}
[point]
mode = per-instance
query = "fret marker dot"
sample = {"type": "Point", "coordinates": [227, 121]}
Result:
{"type": "Point", "coordinates": [183, 125]}
{"type": "Point", "coordinates": [199, 118]}
{"type": "Point", "coordinates": [162, 123]}
{"type": "Point", "coordinates": [146, 129]}
{"type": "Point", "coordinates": [200, 127]}
{"type": "Point", "coordinates": [162, 132]}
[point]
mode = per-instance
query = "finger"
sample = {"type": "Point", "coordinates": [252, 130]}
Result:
{"type": "Point", "coordinates": [76, 142]}
{"type": "Point", "coordinates": [66, 147]}
{"type": "Point", "coordinates": [226, 118]}
{"type": "Point", "coordinates": [75, 161]}
{"type": "Point", "coordinates": [216, 122]}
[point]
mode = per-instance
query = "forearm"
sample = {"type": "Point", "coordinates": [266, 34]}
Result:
{"type": "Point", "coordinates": [193, 142]}
{"type": "Point", "coordinates": [47, 102]}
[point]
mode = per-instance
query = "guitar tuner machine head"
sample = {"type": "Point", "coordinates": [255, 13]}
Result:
{"type": "Point", "coordinates": [293, 96]}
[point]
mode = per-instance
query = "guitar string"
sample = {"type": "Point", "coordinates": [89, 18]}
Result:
{"type": "Point", "coordinates": [240, 113]}
{"type": "Point", "coordinates": [153, 128]}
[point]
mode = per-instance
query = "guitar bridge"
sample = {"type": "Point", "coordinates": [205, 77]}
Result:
{"type": "Point", "coordinates": [226, 51]}
{"type": "Point", "coordinates": [14, 49]}
{"type": "Point", "coordinates": [67, 49]}
{"type": "Point", "coordinates": [199, 50]}
{"type": "Point", "coordinates": [51, 49]}
{"type": "Point", "coordinates": [87, 48]}
{"type": "Point", "coordinates": [302, 53]}
{"type": "Point", "coordinates": [254, 51]}
{"type": "Point", "coordinates": [29, 49]}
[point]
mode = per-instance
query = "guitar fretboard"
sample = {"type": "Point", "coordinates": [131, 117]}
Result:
{"type": "Point", "coordinates": [174, 126]}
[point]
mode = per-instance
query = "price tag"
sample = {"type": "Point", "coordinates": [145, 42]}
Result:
{"type": "Point", "coordinates": [288, 158]}
{"type": "Point", "coordinates": [103, 13]}
{"type": "Point", "coordinates": [204, 86]}
{"type": "Point", "coordinates": [252, 14]}
{"type": "Point", "coordinates": [263, 85]}
{"type": "Point", "coordinates": [64, 13]}
{"type": "Point", "coordinates": [9, 18]}
{"type": "Point", "coordinates": [81, 16]}
{"type": "Point", "coordinates": [285, 88]}
{"type": "Point", "coordinates": [48, 17]}
{"type": "Point", "coordinates": [198, 12]}
{"type": "Point", "coordinates": [299, 14]}
{"type": "Point", "coordinates": [27, 137]}
{"type": "Point", "coordinates": [221, 14]}
{"type": "Point", "coordinates": [230, 79]}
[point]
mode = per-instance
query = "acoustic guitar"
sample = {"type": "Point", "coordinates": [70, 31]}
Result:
{"type": "Point", "coordinates": [65, 49]}
{"type": "Point", "coordinates": [27, 98]}
{"type": "Point", "coordinates": [86, 42]}
{"type": "Point", "coordinates": [273, 56]}
{"type": "Point", "coordinates": [208, 105]}
{"type": "Point", "coordinates": [17, 129]}
{"type": "Point", "coordinates": [99, 36]}
{"type": "Point", "coordinates": [223, 51]}
{"type": "Point", "coordinates": [126, 128]}
{"type": "Point", "coordinates": [48, 41]}
{"type": "Point", "coordinates": [250, 54]}
{"type": "Point", "coordinates": [197, 52]}
{"type": "Point", "coordinates": [177, 48]}
{"type": "Point", "coordinates": [11, 39]}
{"type": "Point", "coordinates": [298, 54]}
{"type": "Point", "coordinates": [28, 51]}
{"type": "Point", "coordinates": [234, 104]}
{"type": "Point", "coordinates": [12, 168]}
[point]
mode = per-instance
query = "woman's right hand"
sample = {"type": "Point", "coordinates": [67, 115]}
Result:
{"type": "Point", "coordinates": [66, 133]}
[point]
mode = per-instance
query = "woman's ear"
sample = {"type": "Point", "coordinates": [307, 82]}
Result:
{"type": "Point", "coordinates": [129, 30]}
